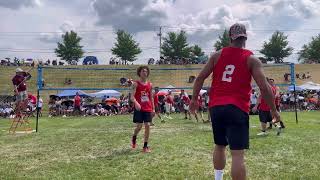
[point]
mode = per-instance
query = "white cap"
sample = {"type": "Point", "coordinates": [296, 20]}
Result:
{"type": "Point", "coordinates": [19, 70]}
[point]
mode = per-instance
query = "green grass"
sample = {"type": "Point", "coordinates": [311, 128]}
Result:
{"type": "Point", "coordinates": [98, 148]}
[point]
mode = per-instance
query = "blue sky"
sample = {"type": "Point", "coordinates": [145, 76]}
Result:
{"type": "Point", "coordinates": [31, 28]}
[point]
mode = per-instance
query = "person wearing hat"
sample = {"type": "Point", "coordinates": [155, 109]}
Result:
{"type": "Point", "coordinates": [20, 89]}
{"type": "Point", "coordinates": [229, 100]}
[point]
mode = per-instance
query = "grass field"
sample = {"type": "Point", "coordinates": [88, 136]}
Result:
{"type": "Point", "coordinates": [98, 148]}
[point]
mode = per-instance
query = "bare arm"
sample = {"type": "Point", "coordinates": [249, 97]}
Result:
{"type": "Point", "coordinates": [258, 75]}
{"type": "Point", "coordinates": [152, 100]}
{"type": "Point", "coordinates": [133, 92]}
{"type": "Point", "coordinates": [205, 72]}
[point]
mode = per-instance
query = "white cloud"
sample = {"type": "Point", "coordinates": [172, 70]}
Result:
{"type": "Point", "coordinates": [203, 20]}
{"type": "Point", "coordinates": [16, 4]}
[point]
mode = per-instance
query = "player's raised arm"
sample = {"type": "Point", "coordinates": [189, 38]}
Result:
{"type": "Point", "coordinates": [204, 73]}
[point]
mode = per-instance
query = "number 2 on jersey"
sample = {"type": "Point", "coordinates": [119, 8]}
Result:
{"type": "Point", "coordinates": [227, 73]}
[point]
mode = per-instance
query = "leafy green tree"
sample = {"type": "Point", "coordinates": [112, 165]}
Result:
{"type": "Point", "coordinates": [223, 41]}
{"type": "Point", "coordinates": [70, 49]}
{"type": "Point", "coordinates": [175, 45]}
{"type": "Point", "coordinates": [126, 47]}
{"type": "Point", "coordinates": [311, 52]}
{"type": "Point", "coordinates": [277, 48]}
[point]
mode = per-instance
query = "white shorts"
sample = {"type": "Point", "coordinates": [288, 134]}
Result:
{"type": "Point", "coordinates": [186, 107]}
{"type": "Point", "coordinates": [168, 107]}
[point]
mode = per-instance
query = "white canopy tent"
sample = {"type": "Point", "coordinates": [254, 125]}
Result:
{"type": "Point", "coordinates": [310, 86]}
{"type": "Point", "coordinates": [105, 93]}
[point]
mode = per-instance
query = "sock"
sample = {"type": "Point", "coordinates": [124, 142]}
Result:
{"type": "Point", "coordinates": [134, 139]}
{"type": "Point", "coordinates": [145, 144]}
{"type": "Point", "coordinates": [218, 174]}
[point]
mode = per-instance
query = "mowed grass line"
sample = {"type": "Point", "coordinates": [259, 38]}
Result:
{"type": "Point", "coordinates": [99, 148]}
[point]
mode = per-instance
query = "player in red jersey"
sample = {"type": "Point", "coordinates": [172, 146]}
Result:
{"type": "Point", "coordinates": [142, 99]}
{"type": "Point", "coordinates": [168, 104]}
{"type": "Point", "coordinates": [156, 103]}
{"type": "Point", "coordinates": [264, 111]}
{"type": "Point", "coordinates": [184, 98]}
{"type": "Point", "coordinates": [199, 110]}
{"type": "Point", "coordinates": [277, 100]}
{"type": "Point", "coordinates": [232, 68]}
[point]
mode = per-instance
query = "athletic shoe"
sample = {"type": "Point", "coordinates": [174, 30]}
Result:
{"type": "Point", "coordinates": [278, 130]}
{"type": "Point", "coordinates": [262, 134]}
{"type": "Point", "coordinates": [169, 117]}
{"type": "Point", "coordinates": [133, 146]}
{"type": "Point", "coordinates": [146, 150]}
{"type": "Point", "coordinates": [185, 118]}
{"type": "Point", "coordinates": [163, 121]}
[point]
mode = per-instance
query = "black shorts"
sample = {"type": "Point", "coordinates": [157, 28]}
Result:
{"type": "Point", "coordinates": [230, 126]}
{"type": "Point", "coordinates": [265, 116]}
{"type": "Point", "coordinates": [142, 117]}
{"type": "Point", "coordinates": [77, 108]}
{"type": "Point", "coordinates": [200, 109]}
{"type": "Point", "coordinates": [157, 109]}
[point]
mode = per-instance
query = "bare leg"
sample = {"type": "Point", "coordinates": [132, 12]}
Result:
{"type": "Point", "coordinates": [146, 132]}
{"type": "Point", "coordinates": [219, 157]}
{"type": "Point", "coordinates": [238, 168]}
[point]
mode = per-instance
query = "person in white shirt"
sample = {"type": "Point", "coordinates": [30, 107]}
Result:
{"type": "Point", "coordinates": [39, 108]}
{"type": "Point", "coordinates": [253, 100]}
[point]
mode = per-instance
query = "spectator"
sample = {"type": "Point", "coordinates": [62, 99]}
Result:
{"type": "Point", "coordinates": [77, 104]}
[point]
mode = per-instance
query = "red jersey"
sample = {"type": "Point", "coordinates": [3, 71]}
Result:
{"type": "Point", "coordinates": [77, 101]}
{"type": "Point", "coordinates": [263, 106]}
{"type": "Point", "coordinates": [143, 96]}
{"type": "Point", "coordinates": [156, 100]}
{"type": "Point", "coordinates": [18, 80]}
{"type": "Point", "coordinates": [200, 101]}
{"type": "Point", "coordinates": [231, 82]}
{"type": "Point", "coordinates": [169, 99]}
{"type": "Point", "coordinates": [277, 98]}
{"type": "Point", "coordinates": [185, 99]}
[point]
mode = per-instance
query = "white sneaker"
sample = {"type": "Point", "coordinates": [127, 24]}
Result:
{"type": "Point", "coordinates": [262, 134]}
{"type": "Point", "coordinates": [278, 129]}
{"type": "Point", "coordinates": [169, 117]}
{"type": "Point", "coordinates": [64, 116]}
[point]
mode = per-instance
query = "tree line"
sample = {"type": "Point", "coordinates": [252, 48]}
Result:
{"type": "Point", "coordinates": [175, 46]}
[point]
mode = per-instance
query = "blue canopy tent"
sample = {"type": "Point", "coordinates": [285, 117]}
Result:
{"type": "Point", "coordinates": [72, 93]}
{"type": "Point", "coordinates": [90, 60]}
{"type": "Point", "coordinates": [105, 94]}
{"type": "Point", "coordinates": [298, 88]}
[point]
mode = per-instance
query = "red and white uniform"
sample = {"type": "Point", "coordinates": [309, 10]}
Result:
{"type": "Point", "coordinates": [263, 106]}
{"type": "Point", "coordinates": [156, 100]}
{"type": "Point", "coordinates": [200, 101]}
{"type": "Point", "coordinates": [143, 96]}
{"type": "Point", "coordinates": [231, 82]}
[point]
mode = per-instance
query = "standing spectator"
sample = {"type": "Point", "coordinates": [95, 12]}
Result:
{"type": "Point", "coordinates": [77, 104]}
{"type": "Point", "coordinates": [39, 108]}
{"type": "Point", "coordinates": [253, 100]}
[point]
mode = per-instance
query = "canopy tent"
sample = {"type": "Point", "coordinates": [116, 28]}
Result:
{"type": "Point", "coordinates": [72, 93]}
{"type": "Point", "coordinates": [172, 89]}
{"type": "Point", "coordinates": [306, 86]}
{"type": "Point", "coordinates": [291, 88]}
{"type": "Point", "coordinates": [310, 86]}
{"type": "Point", "coordinates": [90, 60]}
{"type": "Point", "coordinates": [105, 93]}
